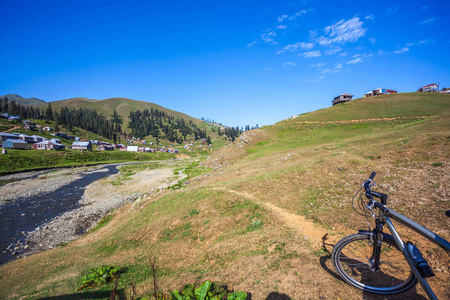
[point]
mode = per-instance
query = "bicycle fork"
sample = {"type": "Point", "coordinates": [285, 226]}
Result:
{"type": "Point", "coordinates": [378, 239]}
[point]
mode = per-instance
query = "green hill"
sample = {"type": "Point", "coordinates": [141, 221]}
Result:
{"type": "Point", "coordinates": [22, 100]}
{"type": "Point", "coordinates": [123, 106]}
{"type": "Point", "coordinates": [266, 216]}
{"type": "Point", "coordinates": [383, 106]}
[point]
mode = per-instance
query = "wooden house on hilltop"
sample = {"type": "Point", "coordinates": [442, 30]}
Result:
{"type": "Point", "coordinates": [342, 98]}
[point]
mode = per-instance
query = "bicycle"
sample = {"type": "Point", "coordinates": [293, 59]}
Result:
{"type": "Point", "coordinates": [382, 263]}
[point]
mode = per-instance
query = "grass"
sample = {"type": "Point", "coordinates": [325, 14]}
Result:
{"type": "Point", "coordinates": [25, 160]}
{"type": "Point", "coordinates": [221, 226]}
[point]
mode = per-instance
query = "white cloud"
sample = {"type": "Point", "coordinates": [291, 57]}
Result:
{"type": "Point", "coordinates": [333, 51]}
{"type": "Point", "coordinates": [306, 46]}
{"type": "Point", "coordinates": [372, 40]}
{"type": "Point", "coordinates": [268, 37]}
{"type": "Point", "coordinates": [428, 21]}
{"type": "Point", "coordinates": [393, 10]}
{"type": "Point", "coordinates": [370, 17]}
{"type": "Point", "coordinates": [343, 32]}
{"type": "Point", "coordinates": [342, 54]}
{"type": "Point", "coordinates": [318, 65]}
{"type": "Point", "coordinates": [297, 14]}
{"type": "Point", "coordinates": [296, 46]}
{"type": "Point", "coordinates": [313, 33]}
{"type": "Point", "coordinates": [355, 61]}
{"type": "Point", "coordinates": [289, 63]}
{"type": "Point", "coordinates": [312, 54]}
{"type": "Point", "coordinates": [281, 27]}
{"type": "Point", "coordinates": [280, 19]}
{"type": "Point", "coordinates": [404, 49]}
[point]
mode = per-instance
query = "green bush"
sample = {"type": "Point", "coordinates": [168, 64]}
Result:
{"type": "Point", "coordinates": [207, 291]}
{"type": "Point", "coordinates": [99, 276]}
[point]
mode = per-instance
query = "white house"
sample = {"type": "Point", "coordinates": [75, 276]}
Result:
{"type": "Point", "coordinates": [429, 88]}
{"type": "Point", "coordinates": [132, 148]}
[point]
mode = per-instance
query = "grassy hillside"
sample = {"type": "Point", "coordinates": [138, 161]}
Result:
{"type": "Point", "coordinates": [384, 106]}
{"type": "Point", "coordinates": [265, 218]}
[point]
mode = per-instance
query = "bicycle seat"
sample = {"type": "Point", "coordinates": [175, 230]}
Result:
{"type": "Point", "coordinates": [448, 213]}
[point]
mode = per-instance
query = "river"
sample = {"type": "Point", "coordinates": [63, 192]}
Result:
{"type": "Point", "coordinates": [22, 215]}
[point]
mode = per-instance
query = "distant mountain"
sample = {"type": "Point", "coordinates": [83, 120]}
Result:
{"type": "Point", "coordinates": [22, 100]}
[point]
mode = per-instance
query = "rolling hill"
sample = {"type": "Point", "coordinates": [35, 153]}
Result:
{"type": "Point", "coordinates": [22, 100]}
{"type": "Point", "coordinates": [123, 106]}
{"type": "Point", "coordinates": [266, 216]}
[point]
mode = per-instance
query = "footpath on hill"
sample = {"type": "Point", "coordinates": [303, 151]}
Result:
{"type": "Point", "coordinates": [365, 120]}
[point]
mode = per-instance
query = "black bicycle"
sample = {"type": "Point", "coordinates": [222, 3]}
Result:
{"type": "Point", "coordinates": [382, 263]}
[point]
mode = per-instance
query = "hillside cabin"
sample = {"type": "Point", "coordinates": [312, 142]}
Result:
{"type": "Point", "coordinates": [4, 115]}
{"type": "Point", "coordinates": [48, 128]}
{"type": "Point", "coordinates": [26, 138]}
{"type": "Point", "coordinates": [83, 146]}
{"type": "Point", "coordinates": [38, 139]}
{"type": "Point", "coordinates": [430, 88]}
{"type": "Point", "coordinates": [29, 122]}
{"type": "Point", "coordinates": [14, 144]}
{"type": "Point", "coordinates": [105, 147]}
{"type": "Point", "coordinates": [123, 148]}
{"type": "Point", "coordinates": [132, 148]}
{"type": "Point", "coordinates": [342, 98]}
{"type": "Point", "coordinates": [14, 118]}
{"type": "Point", "coordinates": [6, 136]}
{"type": "Point", "coordinates": [379, 91]}
{"type": "Point", "coordinates": [56, 140]}
{"type": "Point", "coordinates": [28, 127]}
{"type": "Point", "coordinates": [48, 145]}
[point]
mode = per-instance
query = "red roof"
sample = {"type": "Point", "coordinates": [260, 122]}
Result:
{"type": "Point", "coordinates": [430, 85]}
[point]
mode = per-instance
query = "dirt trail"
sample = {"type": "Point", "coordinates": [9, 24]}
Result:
{"type": "Point", "coordinates": [364, 120]}
{"type": "Point", "coordinates": [311, 231]}
{"type": "Point", "coordinates": [12, 129]}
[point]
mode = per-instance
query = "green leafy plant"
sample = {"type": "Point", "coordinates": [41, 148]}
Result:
{"type": "Point", "coordinates": [238, 295]}
{"type": "Point", "coordinates": [99, 276]}
{"type": "Point", "coordinates": [207, 291]}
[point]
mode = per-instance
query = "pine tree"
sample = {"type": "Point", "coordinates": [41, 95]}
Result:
{"type": "Point", "coordinates": [49, 113]}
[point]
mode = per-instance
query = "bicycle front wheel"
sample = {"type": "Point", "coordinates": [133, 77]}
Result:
{"type": "Point", "coordinates": [351, 258]}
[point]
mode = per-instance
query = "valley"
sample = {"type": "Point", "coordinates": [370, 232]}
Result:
{"type": "Point", "coordinates": [263, 213]}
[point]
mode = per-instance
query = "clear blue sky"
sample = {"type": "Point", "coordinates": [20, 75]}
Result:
{"type": "Point", "coordinates": [237, 62]}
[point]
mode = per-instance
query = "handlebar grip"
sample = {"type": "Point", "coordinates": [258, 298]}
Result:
{"type": "Point", "coordinates": [372, 176]}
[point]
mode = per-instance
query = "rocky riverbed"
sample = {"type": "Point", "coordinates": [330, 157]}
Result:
{"type": "Point", "coordinates": [43, 209]}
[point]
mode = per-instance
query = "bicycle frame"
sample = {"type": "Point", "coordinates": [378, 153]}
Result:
{"type": "Point", "coordinates": [385, 216]}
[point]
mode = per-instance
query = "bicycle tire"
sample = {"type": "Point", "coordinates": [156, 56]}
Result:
{"type": "Point", "coordinates": [351, 256]}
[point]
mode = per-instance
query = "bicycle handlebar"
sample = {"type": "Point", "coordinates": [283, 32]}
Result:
{"type": "Point", "coordinates": [370, 194]}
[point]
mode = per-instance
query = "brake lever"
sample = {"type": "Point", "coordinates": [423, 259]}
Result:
{"type": "Point", "coordinates": [370, 207]}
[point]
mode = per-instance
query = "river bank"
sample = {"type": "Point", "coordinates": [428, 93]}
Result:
{"type": "Point", "coordinates": [42, 209]}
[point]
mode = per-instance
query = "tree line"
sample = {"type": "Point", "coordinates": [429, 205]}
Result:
{"type": "Point", "coordinates": [162, 125]}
